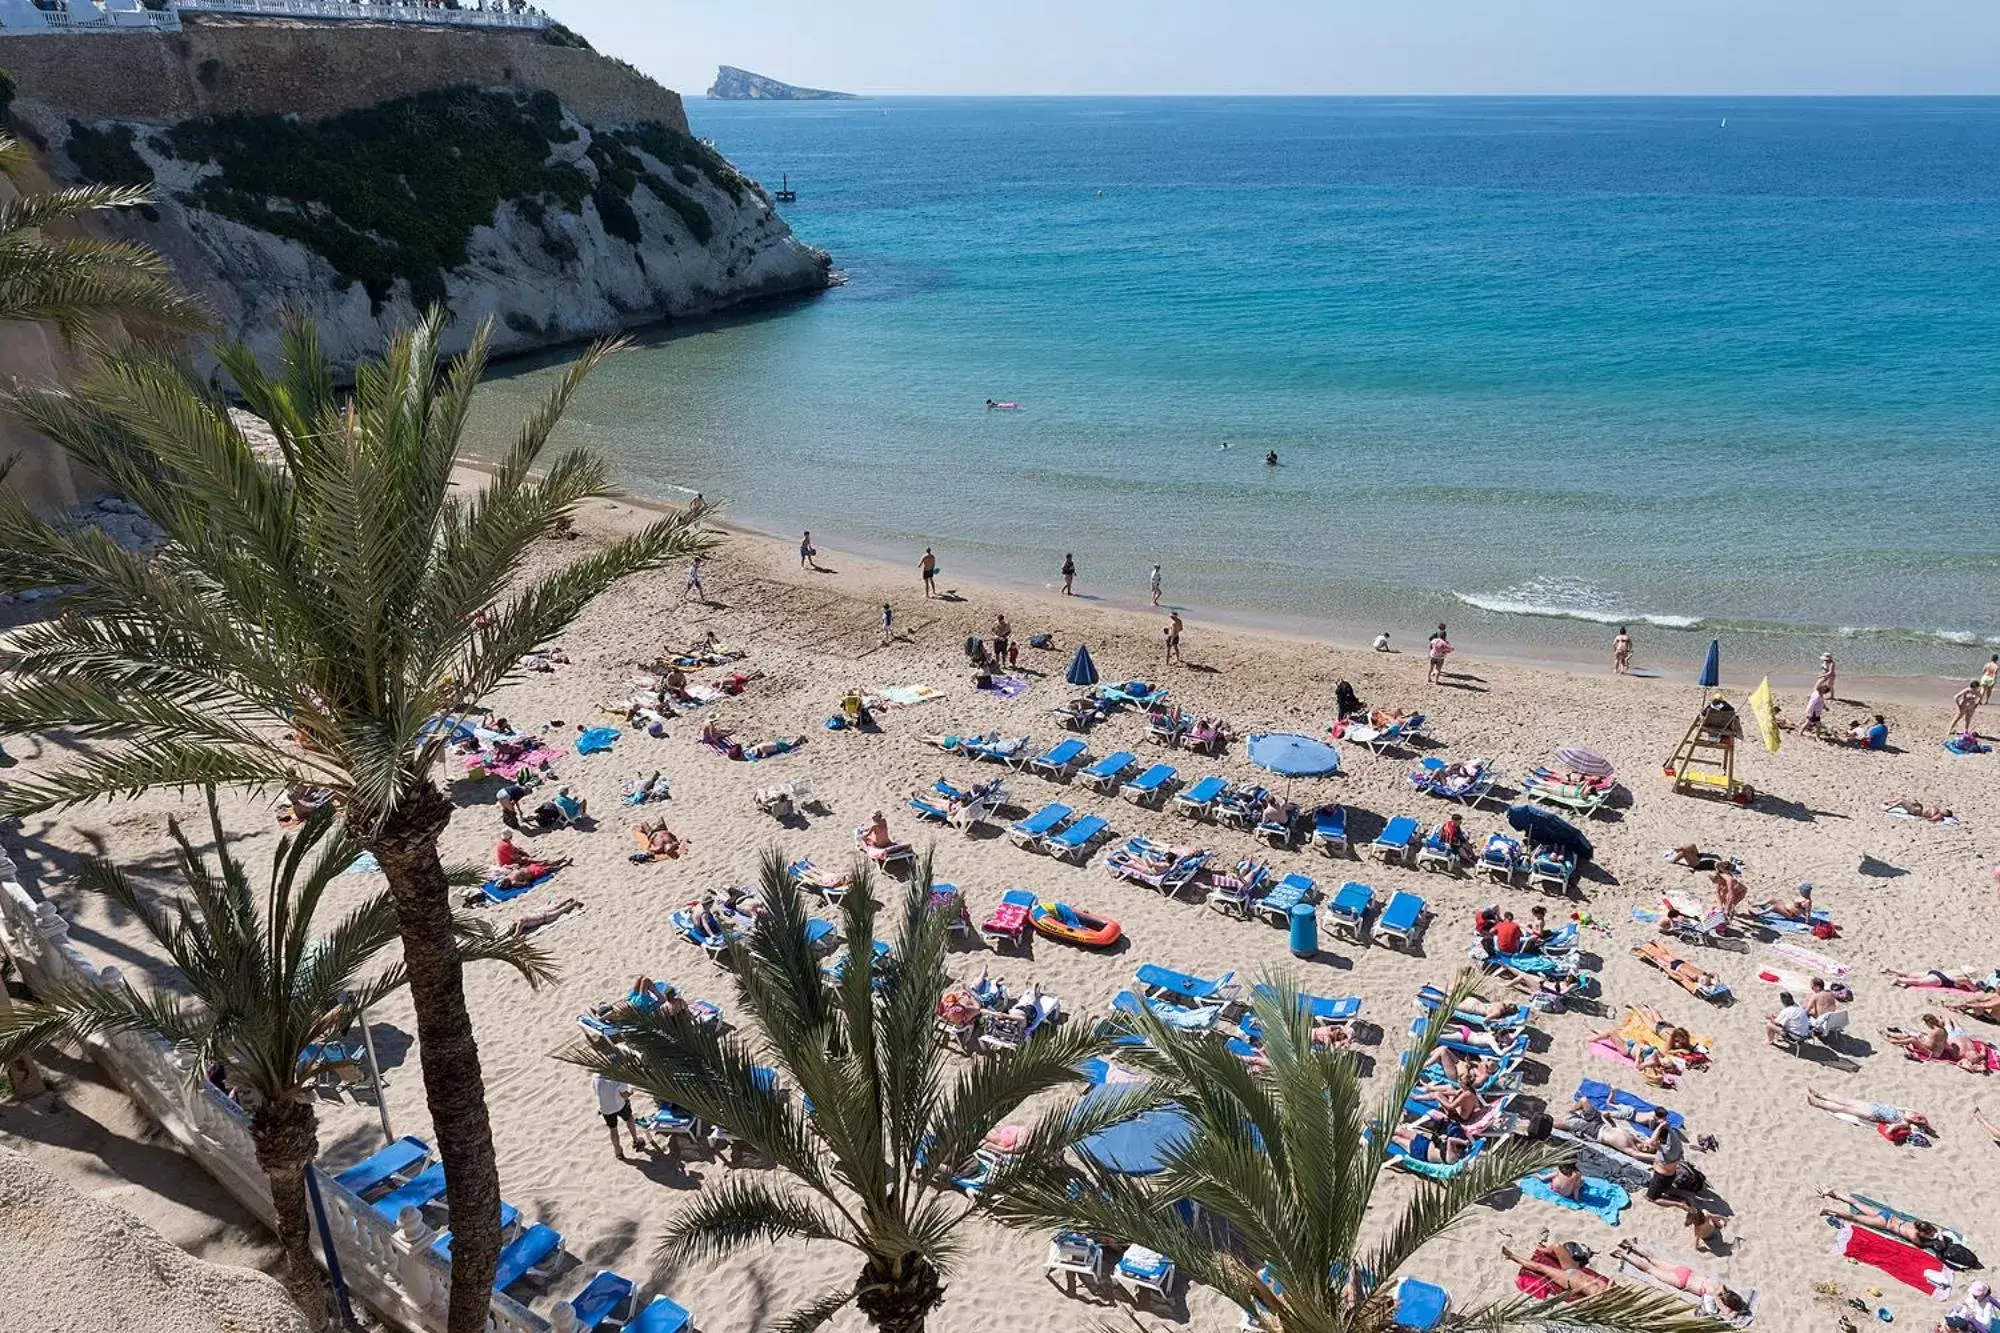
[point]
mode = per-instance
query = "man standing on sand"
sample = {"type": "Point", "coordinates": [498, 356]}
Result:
{"type": "Point", "coordinates": [693, 586]}
{"type": "Point", "coordinates": [888, 625]}
{"type": "Point", "coordinates": [807, 551]}
{"type": "Point", "coordinates": [928, 568]}
{"type": "Point", "coordinates": [1069, 575]}
{"type": "Point", "coordinates": [1173, 633]}
{"type": "Point", "coordinates": [1621, 652]}
{"type": "Point", "coordinates": [1440, 649]}
{"type": "Point", "coordinates": [1156, 585]}
{"type": "Point", "coordinates": [614, 1103]}
{"type": "Point", "coordinates": [1967, 700]}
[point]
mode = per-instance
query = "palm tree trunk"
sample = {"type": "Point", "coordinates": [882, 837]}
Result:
{"type": "Point", "coordinates": [898, 1294]}
{"type": "Point", "coordinates": [406, 847]}
{"type": "Point", "coordinates": [286, 1135]}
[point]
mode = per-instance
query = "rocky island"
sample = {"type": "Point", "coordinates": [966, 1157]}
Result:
{"type": "Point", "coordinates": [740, 85]}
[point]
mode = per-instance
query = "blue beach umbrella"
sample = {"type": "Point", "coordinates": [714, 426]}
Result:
{"type": "Point", "coordinates": [1138, 1147]}
{"type": "Point", "coordinates": [1711, 667]}
{"type": "Point", "coordinates": [1293, 756]}
{"type": "Point", "coordinates": [1549, 829]}
{"type": "Point", "coordinates": [1082, 671]}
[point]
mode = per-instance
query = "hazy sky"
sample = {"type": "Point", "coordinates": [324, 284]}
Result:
{"type": "Point", "coordinates": [1310, 46]}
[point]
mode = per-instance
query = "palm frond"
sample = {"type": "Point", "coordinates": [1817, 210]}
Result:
{"type": "Point", "coordinates": [740, 1212]}
{"type": "Point", "coordinates": [815, 1313]}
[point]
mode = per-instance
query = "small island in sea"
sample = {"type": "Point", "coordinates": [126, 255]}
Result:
{"type": "Point", "coordinates": [740, 85]}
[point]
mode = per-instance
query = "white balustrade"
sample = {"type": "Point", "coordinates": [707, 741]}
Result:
{"type": "Point", "coordinates": [389, 1266]}
{"type": "Point", "coordinates": [22, 17]}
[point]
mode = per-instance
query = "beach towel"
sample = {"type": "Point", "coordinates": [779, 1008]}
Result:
{"type": "Point", "coordinates": [1967, 744]}
{"type": "Point", "coordinates": [905, 696]}
{"type": "Point", "coordinates": [1712, 1309]}
{"type": "Point", "coordinates": [1533, 1284]}
{"type": "Point", "coordinates": [1007, 687]}
{"type": "Point", "coordinates": [538, 757]}
{"type": "Point", "coordinates": [1805, 957]}
{"type": "Point", "coordinates": [1604, 1199]}
{"type": "Point", "coordinates": [1899, 1259]}
{"type": "Point", "coordinates": [1647, 915]}
{"type": "Point", "coordinates": [1785, 925]}
{"type": "Point", "coordinates": [596, 739]}
{"type": "Point", "coordinates": [1898, 812]}
{"type": "Point", "coordinates": [364, 864]}
{"type": "Point", "coordinates": [1989, 1058]}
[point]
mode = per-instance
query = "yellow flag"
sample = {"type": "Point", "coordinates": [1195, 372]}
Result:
{"type": "Point", "coordinates": [1766, 714]}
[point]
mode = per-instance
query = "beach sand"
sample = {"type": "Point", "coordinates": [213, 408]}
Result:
{"type": "Point", "coordinates": [1906, 895]}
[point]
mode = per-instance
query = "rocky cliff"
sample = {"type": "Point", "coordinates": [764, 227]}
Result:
{"type": "Point", "coordinates": [561, 212]}
{"type": "Point", "coordinates": [740, 85]}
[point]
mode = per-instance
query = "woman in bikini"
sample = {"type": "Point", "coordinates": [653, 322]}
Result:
{"type": "Point", "coordinates": [1427, 1141]}
{"type": "Point", "coordinates": [534, 921]}
{"type": "Point", "coordinates": [1565, 1273]}
{"type": "Point", "coordinates": [1958, 978]}
{"type": "Point", "coordinates": [1683, 1278]}
{"type": "Point", "coordinates": [1876, 1113]}
{"type": "Point", "coordinates": [1847, 1209]}
{"type": "Point", "coordinates": [1933, 1041]}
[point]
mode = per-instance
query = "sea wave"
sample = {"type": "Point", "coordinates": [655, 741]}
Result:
{"type": "Point", "coordinates": [1566, 600]}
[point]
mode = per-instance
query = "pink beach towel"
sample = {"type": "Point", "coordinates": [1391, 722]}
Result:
{"type": "Point", "coordinates": [534, 758]}
{"type": "Point", "coordinates": [1906, 1263]}
{"type": "Point", "coordinates": [1805, 957]}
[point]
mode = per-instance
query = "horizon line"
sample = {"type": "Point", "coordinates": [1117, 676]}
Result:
{"type": "Point", "coordinates": [1376, 96]}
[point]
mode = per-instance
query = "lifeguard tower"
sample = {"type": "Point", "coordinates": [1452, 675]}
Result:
{"type": "Point", "coordinates": [1704, 762]}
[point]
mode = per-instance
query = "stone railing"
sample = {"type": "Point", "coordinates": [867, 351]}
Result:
{"type": "Point", "coordinates": [389, 1267]}
{"type": "Point", "coordinates": [373, 13]}
{"type": "Point", "coordinates": [19, 17]}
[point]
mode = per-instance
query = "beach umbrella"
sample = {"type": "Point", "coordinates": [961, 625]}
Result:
{"type": "Point", "coordinates": [1550, 830]}
{"type": "Point", "coordinates": [1711, 667]}
{"type": "Point", "coordinates": [1766, 713]}
{"type": "Point", "coordinates": [1582, 759]}
{"type": "Point", "coordinates": [1139, 1146]}
{"type": "Point", "coordinates": [1082, 671]}
{"type": "Point", "coordinates": [1291, 755]}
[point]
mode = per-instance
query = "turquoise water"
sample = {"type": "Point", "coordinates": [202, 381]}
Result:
{"type": "Point", "coordinates": [1533, 367]}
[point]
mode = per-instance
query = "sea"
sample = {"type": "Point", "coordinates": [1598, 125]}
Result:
{"type": "Point", "coordinates": [1536, 368]}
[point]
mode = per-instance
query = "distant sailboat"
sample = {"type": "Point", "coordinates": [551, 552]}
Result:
{"type": "Point", "coordinates": [1725, 122]}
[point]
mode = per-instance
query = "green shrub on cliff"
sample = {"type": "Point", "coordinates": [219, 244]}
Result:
{"type": "Point", "coordinates": [672, 149]}
{"type": "Point", "coordinates": [107, 156]}
{"type": "Point", "coordinates": [393, 191]}
{"type": "Point", "coordinates": [557, 35]}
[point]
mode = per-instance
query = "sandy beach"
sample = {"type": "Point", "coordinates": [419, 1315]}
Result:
{"type": "Point", "coordinates": [1906, 894]}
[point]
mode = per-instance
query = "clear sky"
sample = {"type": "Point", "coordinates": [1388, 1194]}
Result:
{"type": "Point", "coordinates": [1310, 46]}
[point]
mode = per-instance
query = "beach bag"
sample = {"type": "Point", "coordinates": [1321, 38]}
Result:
{"type": "Point", "coordinates": [1823, 930]}
{"type": "Point", "coordinates": [1689, 1179]}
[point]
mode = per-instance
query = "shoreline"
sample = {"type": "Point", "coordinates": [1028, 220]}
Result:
{"type": "Point", "coordinates": [1905, 690]}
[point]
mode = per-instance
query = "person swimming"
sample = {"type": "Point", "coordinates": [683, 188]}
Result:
{"type": "Point", "coordinates": [1271, 458]}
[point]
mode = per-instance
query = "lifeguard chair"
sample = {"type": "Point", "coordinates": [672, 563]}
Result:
{"type": "Point", "coordinates": [1704, 762]}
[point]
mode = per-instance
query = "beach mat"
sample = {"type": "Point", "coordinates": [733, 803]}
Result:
{"type": "Point", "coordinates": [1007, 687]}
{"type": "Point", "coordinates": [1603, 1199]}
{"type": "Point", "coordinates": [905, 696]}
{"type": "Point", "coordinates": [1818, 962]}
{"type": "Point", "coordinates": [1904, 1262]}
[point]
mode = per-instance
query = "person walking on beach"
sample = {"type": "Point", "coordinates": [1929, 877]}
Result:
{"type": "Point", "coordinates": [614, 1103]}
{"type": "Point", "coordinates": [1967, 700]}
{"type": "Point", "coordinates": [1002, 633]}
{"type": "Point", "coordinates": [1987, 679]}
{"type": "Point", "coordinates": [1156, 585]}
{"type": "Point", "coordinates": [928, 568]}
{"type": "Point", "coordinates": [1069, 575]}
{"type": "Point", "coordinates": [1621, 652]}
{"type": "Point", "coordinates": [692, 588]}
{"type": "Point", "coordinates": [1173, 633]}
{"type": "Point", "coordinates": [888, 625]}
{"type": "Point", "coordinates": [1440, 649]}
{"type": "Point", "coordinates": [807, 551]}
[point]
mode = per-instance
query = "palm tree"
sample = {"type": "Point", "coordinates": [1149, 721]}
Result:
{"type": "Point", "coordinates": [261, 989]}
{"type": "Point", "coordinates": [882, 1116]}
{"type": "Point", "coordinates": [74, 283]}
{"type": "Point", "coordinates": [1283, 1162]}
{"type": "Point", "coordinates": [307, 623]}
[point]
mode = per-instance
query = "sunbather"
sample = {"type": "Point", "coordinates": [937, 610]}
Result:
{"type": "Point", "coordinates": [1936, 1041]}
{"type": "Point", "coordinates": [1695, 980]}
{"type": "Point", "coordinates": [1916, 808]}
{"type": "Point", "coordinates": [1658, 1049]}
{"type": "Point", "coordinates": [1587, 1122]}
{"type": "Point", "coordinates": [572, 808]}
{"type": "Point", "coordinates": [1451, 834]}
{"type": "Point", "coordinates": [1798, 907]}
{"type": "Point", "coordinates": [1566, 1273]}
{"type": "Point", "coordinates": [876, 835]}
{"type": "Point", "coordinates": [1694, 858]}
{"type": "Point", "coordinates": [524, 873]}
{"type": "Point", "coordinates": [1874, 1113]}
{"type": "Point", "coordinates": [1848, 1209]}
{"type": "Point", "coordinates": [661, 840]}
{"type": "Point", "coordinates": [1432, 1139]}
{"type": "Point", "coordinates": [1466, 1070]}
{"type": "Point", "coordinates": [1329, 1034]}
{"type": "Point", "coordinates": [1275, 810]}
{"type": "Point", "coordinates": [1707, 1227]}
{"type": "Point", "coordinates": [1730, 891]}
{"type": "Point", "coordinates": [646, 789]}
{"type": "Point", "coordinates": [1684, 1278]}
{"type": "Point", "coordinates": [1957, 978]}
{"type": "Point", "coordinates": [1531, 984]}
{"type": "Point", "coordinates": [1564, 1179]}
{"type": "Point", "coordinates": [1985, 1005]}
{"type": "Point", "coordinates": [525, 926]}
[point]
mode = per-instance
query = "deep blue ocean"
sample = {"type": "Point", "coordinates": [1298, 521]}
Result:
{"type": "Point", "coordinates": [1534, 367]}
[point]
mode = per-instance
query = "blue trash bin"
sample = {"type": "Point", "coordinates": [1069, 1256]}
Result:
{"type": "Point", "coordinates": [1305, 930]}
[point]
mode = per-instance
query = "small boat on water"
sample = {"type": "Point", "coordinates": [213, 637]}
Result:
{"type": "Point", "coordinates": [785, 193]}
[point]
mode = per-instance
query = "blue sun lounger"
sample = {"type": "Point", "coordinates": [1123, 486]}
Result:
{"type": "Point", "coordinates": [607, 1292]}
{"type": "Point", "coordinates": [1288, 893]}
{"type": "Point", "coordinates": [510, 1217]}
{"type": "Point", "coordinates": [1039, 825]}
{"type": "Point", "coordinates": [1059, 760]}
{"type": "Point", "coordinates": [1323, 1009]}
{"type": "Point", "coordinates": [1348, 912]}
{"type": "Point", "coordinates": [1159, 981]}
{"type": "Point", "coordinates": [1330, 829]}
{"type": "Point", "coordinates": [524, 1253]}
{"type": "Point", "coordinates": [413, 1193]}
{"type": "Point", "coordinates": [1188, 1018]}
{"type": "Point", "coordinates": [1108, 771]}
{"type": "Point", "coordinates": [1603, 1096]}
{"type": "Point", "coordinates": [715, 947]}
{"type": "Point", "coordinates": [1199, 800]}
{"type": "Point", "coordinates": [1420, 1306]}
{"type": "Point", "coordinates": [1395, 841]}
{"type": "Point", "coordinates": [1401, 919]}
{"type": "Point", "coordinates": [662, 1316]}
{"type": "Point", "coordinates": [1074, 843]}
{"type": "Point", "coordinates": [405, 1154]}
{"type": "Point", "coordinates": [1150, 787]}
